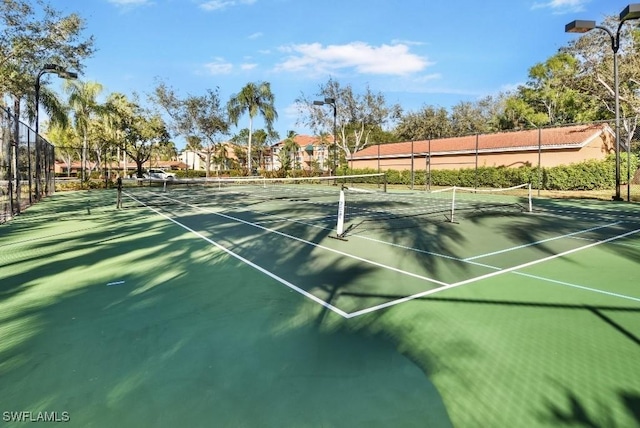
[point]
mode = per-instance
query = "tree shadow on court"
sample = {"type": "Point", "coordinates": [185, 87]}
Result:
{"type": "Point", "coordinates": [598, 221]}
{"type": "Point", "coordinates": [192, 337]}
{"type": "Point", "coordinates": [632, 402]}
{"type": "Point", "coordinates": [423, 234]}
{"type": "Point", "coordinates": [574, 411]}
{"type": "Point", "coordinates": [202, 339]}
{"type": "Point", "coordinates": [333, 280]}
{"type": "Point", "coordinates": [600, 311]}
{"type": "Point", "coordinates": [95, 241]}
{"type": "Point", "coordinates": [576, 408]}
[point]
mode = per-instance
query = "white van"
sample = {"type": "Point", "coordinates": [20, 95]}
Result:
{"type": "Point", "coordinates": [159, 174]}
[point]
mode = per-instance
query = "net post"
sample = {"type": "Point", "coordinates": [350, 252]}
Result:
{"type": "Point", "coordinates": [530, 201]}
{"type": "Point", "coordinates": [384, 181]}
{"type": "Point", "coordinates": [340, 232]}
{"type": "Point", "coordinates": [453, 203]}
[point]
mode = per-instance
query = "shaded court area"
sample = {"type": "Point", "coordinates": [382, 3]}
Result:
{"type": "Point", "coordinates": [122, 318]}
{"type": "Point", "coordinates": [179, 309]}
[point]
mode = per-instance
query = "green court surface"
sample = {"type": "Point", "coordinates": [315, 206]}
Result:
{"type": "Point", "coordinates": [204, 307]}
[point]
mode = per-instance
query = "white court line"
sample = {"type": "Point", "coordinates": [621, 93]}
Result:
{"type": "Point", "coordinates": [581, 287]}
{"type": "Point", "coordinates": [531, 244]}
{"type": "Point", "coordinates": [304, 241]}
{"type": "Point", "coordinates": [444, 286]}
{"type": "Point", "coordinates": [492, 274]}
{"type": "Point", "coordinates": [622, 215]}
{"type": "Point", "coordinates": [379, 241]}
{"type": "Point", "coordinates": [250, 263]}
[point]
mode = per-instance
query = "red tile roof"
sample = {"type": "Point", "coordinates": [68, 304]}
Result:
{"type": "Point", "coordinates": [550, 138]}
{"type": "Point", "coordinates": [304, 140]}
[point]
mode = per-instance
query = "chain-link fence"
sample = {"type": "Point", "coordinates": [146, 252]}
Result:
{"type": "Point", "coordinates": [630, 143]}
{"type": "Point", "coordinates": [540, 148]}
{"type": "Point", "coordinates": [26, 166]}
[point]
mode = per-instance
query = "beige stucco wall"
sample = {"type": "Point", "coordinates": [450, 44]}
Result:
{"type": "Point", "coordinates": [597, 149]}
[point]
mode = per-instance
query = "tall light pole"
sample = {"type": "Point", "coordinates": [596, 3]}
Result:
{"type": "Point", "coordinates": [332, 102]}
{"type": "Point", "coordinates": [63, 74]}
{"type": "Point", "coordinates": [632, 11]}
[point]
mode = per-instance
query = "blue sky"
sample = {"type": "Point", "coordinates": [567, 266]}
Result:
{"type": "Point", "coordinates": [415, 52]}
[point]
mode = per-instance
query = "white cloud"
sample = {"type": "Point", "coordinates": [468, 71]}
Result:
{"type": "Point", "coordinates": [562, 6]}
{"type": "Point", "coordinates": [315, 58]}
{"type": "Point", "coordinates": [427, 78]}
{"type": "Point", "coordinates": [255, 36]}
{"type": "Point", "coordinates": [406, 42]}
{"type": "Point", "coordinates": [248, 66]}
{"type": "Point", "coordinates": [219, 66]}
{"type": "Point", "coordinates": [213, 5]}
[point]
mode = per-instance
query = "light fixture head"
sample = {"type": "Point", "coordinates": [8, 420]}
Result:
{"type": "Point", "coordinates": [632, 11]}
{"type": "Point", "coordinates": [579, 26]}
{"type": "Point", "coordinates": [52, 67]}
{"type": "Point", "coordinates": [64, 74]}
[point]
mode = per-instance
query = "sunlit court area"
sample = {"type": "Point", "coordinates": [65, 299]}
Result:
{"type": "Point", "coordinates": [237, 303]}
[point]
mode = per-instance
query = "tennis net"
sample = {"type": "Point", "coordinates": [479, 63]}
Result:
{"type": "Point", "coordinates": [252, 190]}
{"type": "Point", "coordinates": [403, 209]}
{"type": "Point", "coordinates": [368, 201]}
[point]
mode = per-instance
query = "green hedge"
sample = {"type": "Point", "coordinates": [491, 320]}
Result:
{"type": "Point", "coordinates": [587, 175]}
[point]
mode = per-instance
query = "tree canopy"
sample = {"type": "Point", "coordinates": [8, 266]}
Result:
{"type": "Point", "coordinates": [32, 34]}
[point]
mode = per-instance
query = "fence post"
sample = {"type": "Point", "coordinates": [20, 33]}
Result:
{"type": "Point", "coordinates": [539, 159]}
{"type": "Point", "coordinates": [9, 144]}
{"type": "Point", "coordinates": [50, 173]}
{"type": "Point", "coordinates": [412, 170]}
{"type": "Point", "coordinates": [29, 164]}
{"type": "Point", "coordinates": [629, 138]}
{"type": "Point", "coordinates": [429, 165]}
{"type": "Point", "coordinates": [16, 145]}
{"type": "Point", "coordinates": [475, 186]}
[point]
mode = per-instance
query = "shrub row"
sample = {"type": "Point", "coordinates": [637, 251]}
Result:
{"type": "Point", "coordinates": [587, 175]}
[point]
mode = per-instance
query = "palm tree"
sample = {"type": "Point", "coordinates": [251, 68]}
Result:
{"type": "Point", "coordinates": [254, 98]}
{"type": "Point", "coordinates": [222, 157]}
{"type": "Point", "coordinates": [83, 103]}
{"type": "Point", "coordinates": [288, 152]}
{"type": "Point", "coordinates": [167, 151]}
{"type": "Point", "coordinates": [194, 145]}
{"type": "Point", "coordinates": [116, 109]}
{"type": "Point", "coordinates": [64, 138]}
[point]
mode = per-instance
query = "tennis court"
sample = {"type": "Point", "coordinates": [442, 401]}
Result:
{"type": "Point", "coordinates": [231, 303]}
